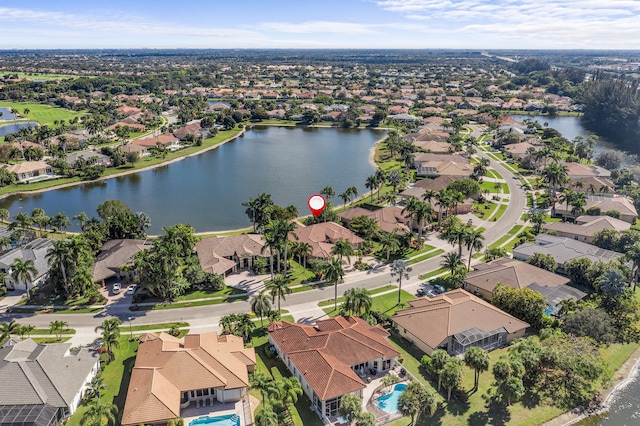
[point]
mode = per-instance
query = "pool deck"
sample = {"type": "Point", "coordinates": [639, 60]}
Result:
{"type": "Point", "coordinates": [218, 409]}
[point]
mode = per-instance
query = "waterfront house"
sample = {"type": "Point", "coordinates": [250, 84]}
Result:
{"type": "Point", "coordinates": [455, 321]}
{"type": "Point", "coordinates": [91, 158]}
{"type": "Point", "coordinates": [389, 218]}
{"type": "Point", "coordinates": [444, 168]}
{"type": "Point", "coordinates": [579, 170]}
{"type": "Point", "coordinates": [225, 255]}
{"type": "Point", "coordinates": [28, 171]}
{"type": "Point", "coordinates": [322, 236]}
{"type": "Point", "coordinates": [43, 384]}
{"type": "Point", "coordinates": [171, 374]}
{"type": "Point", "coordinates": [333, 357]}
{"type": "Point", "coordinates": [35, 250]}
{"type": "Point", "coordinates": [116, 259]}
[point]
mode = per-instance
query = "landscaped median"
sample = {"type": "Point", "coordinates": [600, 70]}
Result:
{"type": "Point", "coordinates": [386, 303]}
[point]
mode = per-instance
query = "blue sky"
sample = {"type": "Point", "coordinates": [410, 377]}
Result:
{"type": "Point", "coordinates": [472, 24]}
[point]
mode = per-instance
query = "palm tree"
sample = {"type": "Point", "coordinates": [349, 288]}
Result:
{"type": "Point", "coordinates": [4, 215]}
{"type": "Point", "coordinates": [82, 219]}
{"type": "Point", "coordinates": [266, 416]}
{"type": "Point", "coordinates": [537, 218]}
{"type": "Point", "coordinates": [60, 255]}
{"type": "Point", "coordinates": [353, 192]}
{"type": "Point", "coordinates": [451, 260]}
{"type": "Point", "coordinates": [401, 269]}
{"type": "Point", "coordinates": [26, 329]}
{"type": "Point", "coordinates": [350, 407]}
{"type": "Point", "coordinates": [95, 388]}
{"type": "Point", "coordinates": [110, 334]}
{"type": "Point", "coordinates": [371, 184]}
{"type": "Point", "coordinates": [555, 174]}
{"type": "Point", "coordinates": [60, 221]}
{"type": "Point", "coordinates": [477, 359]}
{"type": "Point", "coordinates": [24, 271]}
{"type": "Point", "coordinates": [475, 241]}
{"type": "Point", "coordinates": [493, 253]}
{"type": "Point", "coordinates": [417, 399]}
{"type": "Point", "coordinates": [97, 412]}
{"type": "Point", "coordinates": [57, 327]}
{"type": "Point", "coordinates": [278, 288]}
{"type": "Point", "coordinates": [260, 305]}
{"type": "Point", "coordinates": [511, 389]}
{"type": "Point", "coordinates": [381, 177]}
{"type": "Point", "coordinates": [452, 375]}
{"type": "Point", "coordinates": [244, 326]}
{"type": "Point", "coordinates": [633, 255]}
{"type": "Point", "coordinates": [342, 248]}
{"type": "Point", "coordinates": [422, 212]}
{"type": "Point", "coordinates": [289, 390]}
{"type": "Point", "coordinates": [304, 250]}
{"type": "Point", "coordinates": [410, 206]}
{"type": "Point", "coordinates": [333, 272]}
{"type": "Point", "coordinates": [8, 328]}
{"type": "Point", "coordinates": [357, 301]}
{"type": "Point", "coordinates": [327, 192]}
{"type": "Point", "coordinates": [389, 243]}
{"type": "Point", "coordinates": [345, 197]}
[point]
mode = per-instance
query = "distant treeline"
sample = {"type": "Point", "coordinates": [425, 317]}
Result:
{"type": "Point", "coordinates": [612, 109]}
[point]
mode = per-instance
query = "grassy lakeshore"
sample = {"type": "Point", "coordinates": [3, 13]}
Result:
{"type": "Point", "coordinates": [43, 114]}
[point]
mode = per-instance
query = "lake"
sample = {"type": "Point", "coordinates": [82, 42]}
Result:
{"type": "Point", "coordinates": [207, 190]}
{"type": "Point", "coordinates": [14, 127]}
{"type": "Point", "coordinates": [570, 126]}
{"type": "Point", "coordinates": [6, 114]}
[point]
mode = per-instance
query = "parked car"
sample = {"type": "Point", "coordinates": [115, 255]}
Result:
{"type": "Point", "coordinates": [420, 292]}
{"type": "Point", "coordinates": [439, 289]}
{"type": "Point", "coordinates": [429, 293]}
{"type": "Point", "coordinates": [132, 289]}
{"type": "Point", "coordinates": [116, 288]}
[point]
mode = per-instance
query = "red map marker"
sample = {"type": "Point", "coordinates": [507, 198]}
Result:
{"type": "Point", "coordinates": [317, 204]}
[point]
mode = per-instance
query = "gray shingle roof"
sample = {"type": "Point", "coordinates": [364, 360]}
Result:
{"type": "Point", "coordinates": [563, 249]}
{"type": "Point", "coordinates": [43, 374]}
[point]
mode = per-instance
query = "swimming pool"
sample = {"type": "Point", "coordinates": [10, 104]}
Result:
{"type": "Point", "coordinates": [389, 402]}
{"type": "Point", "coordinates": [228, 420]}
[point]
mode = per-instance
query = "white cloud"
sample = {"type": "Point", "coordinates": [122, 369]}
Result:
{"type": "Point", "coordinates": [318, 27]}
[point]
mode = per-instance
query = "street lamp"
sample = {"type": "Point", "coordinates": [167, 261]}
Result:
{"type": "Point", "coordinates": [130, 328]}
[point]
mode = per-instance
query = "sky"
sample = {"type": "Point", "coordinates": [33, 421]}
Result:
{"type": "Point", "coordinates": [313, 24]}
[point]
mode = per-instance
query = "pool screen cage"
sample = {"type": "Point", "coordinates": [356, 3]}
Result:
{"type": "Point", "coordinates": [476, 337]}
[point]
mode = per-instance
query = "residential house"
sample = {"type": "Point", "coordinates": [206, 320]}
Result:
{"type": "Point", "coordinates": [438, 183]}
{"type": "Point", "coordinates": [622, 205]}
{"type": "Point", "coordinates": [389, 219]}
{"type": "Point", "coordinates": [190, 130]}
{"type": "Point", "coordinates": [142, 150]}
{"type": "Point", "coordinates": [514, 273]}
{"type": "Point", "coordinates": [333, 357]}
{"type": "Point", "coordinates": [92, 158]}
{"type": "Point", "coordinates": [171, 374]}
{"type": "Point", "coordinates": [225, 255]}
{"type": "Point", "coordinates": [519, 150]}
{"type": "Point", "coordinates": [128, 110]}
{"type": "Point", "coordinates": [585, 227]}
{"type": "Point", "coordinates": [31, 171]}
{"type": "Point", "coordinates": [404, 117]}
{"type": "Point", "coordinates": [444, 168]}
{"type": "Point", "coordinates": [579, 170]}
{"type": "Point", "coordinates": [116, 259]}
{"type": "Point", "coordinates": [36, 251]}
{"type": "Point", "coordinates": [322, 236]}
{"type": "Point", "coordinates": [594, 185]}
{"type": "Point", "coordinates": [455, 321]}
{"type": "Point", "coordinates": [167, 140]}
{"type": "Point", "coordinates": [134, 127]}
{"type": "Point", "coordinates": [43, 384]}
{"type": "Point", "coordinates": [433, 146]}
{"type": "Point", "coordinates": [563, 249]}
{"type": "Point", "coordinates": [425, 157]}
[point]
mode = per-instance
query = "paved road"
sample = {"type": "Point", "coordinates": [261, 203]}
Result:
{"type": "Point", "coordinates": [302, 305]}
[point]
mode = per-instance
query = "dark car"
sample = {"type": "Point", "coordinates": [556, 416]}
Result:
{"type": "Point", "coordinates": [420, 292]}
{"type": "Point", "coordinates": [439, 289]}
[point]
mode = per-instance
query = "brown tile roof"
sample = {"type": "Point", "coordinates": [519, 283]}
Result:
{"type": "Point", "coordinates": [388, 218]}
{"type": "Point", "coordinates": [322, 236]}
{"type": "Point", "coordinates": [622, 204]}
{"type": "Point", "coordinates": [325, 353]}
{"type": "Point", "coordinates": [436, 184]}
{"type": "Point", "coordinates": [213, 251]}
{"type": "Point", "coordinates": [513, 273]}
{"type": "Point", "coordinates": [422, 157]}
{"type": "Point", "coordinates": [167, 366]}
{"type": "Point", "coordinates": [588, 225]}
{"type": "Point", "coordinates": [432, 320]}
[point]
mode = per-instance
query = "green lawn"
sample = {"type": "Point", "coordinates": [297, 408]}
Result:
{"type": "Point", "coordinates": [162, 306]}
{"type": "Point", "coordinates": [386, 303]}
{"type": "Point", "coordinates": [46, 331]}
{"type": "Point", "coordinates": [500, 212]}
{"type": "Point", "coordinates": [164, 325]}
{"type": "Point", "coordinates": [432, 273]}
{"type": "Point", "coordinates": [372, 292]}
{"type": "Point", "coordinates": [40, 75]}
{"type": "Point", "coordinates": [506, 236]}
{"type": "Point", "coordinates": [481, 210]}
{"type": "Point", "coordinates": [206, 294]}
{"type": "Point", "coordinates": [490, 186]}
{"type": "Point", "coordinates": [52, 339]}
{"type": "Point", "coordinates": [505, 188]}
{"type": "Point", "coordinates": [43, 114]}
{"type": "Point", "coordinates": [511, 244]}
{"type": "Point", "coordinates": [493, 174]}
{"type": "Point", "coordinates": [116, 376]}
{"type": "Point", "coordinates": [425, 256]}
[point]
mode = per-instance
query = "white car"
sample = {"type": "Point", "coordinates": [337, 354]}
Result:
{"type": "Point", "coordinates": [132, 289]}
{"type": "Point", "coordinates": [116, 288]}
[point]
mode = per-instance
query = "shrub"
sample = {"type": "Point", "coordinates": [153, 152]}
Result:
{"type": "Point", "coordinates": [613, 213]}
{"type": "Point", "coordinates": [594, 211]}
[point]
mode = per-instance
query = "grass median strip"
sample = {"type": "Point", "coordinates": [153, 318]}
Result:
{"type": "Point", "coordinates": [372, 292]}
{"type": "Point", "coordinates": [425, 256]}
{"type": "Point", "coordinates": [506, 236]}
